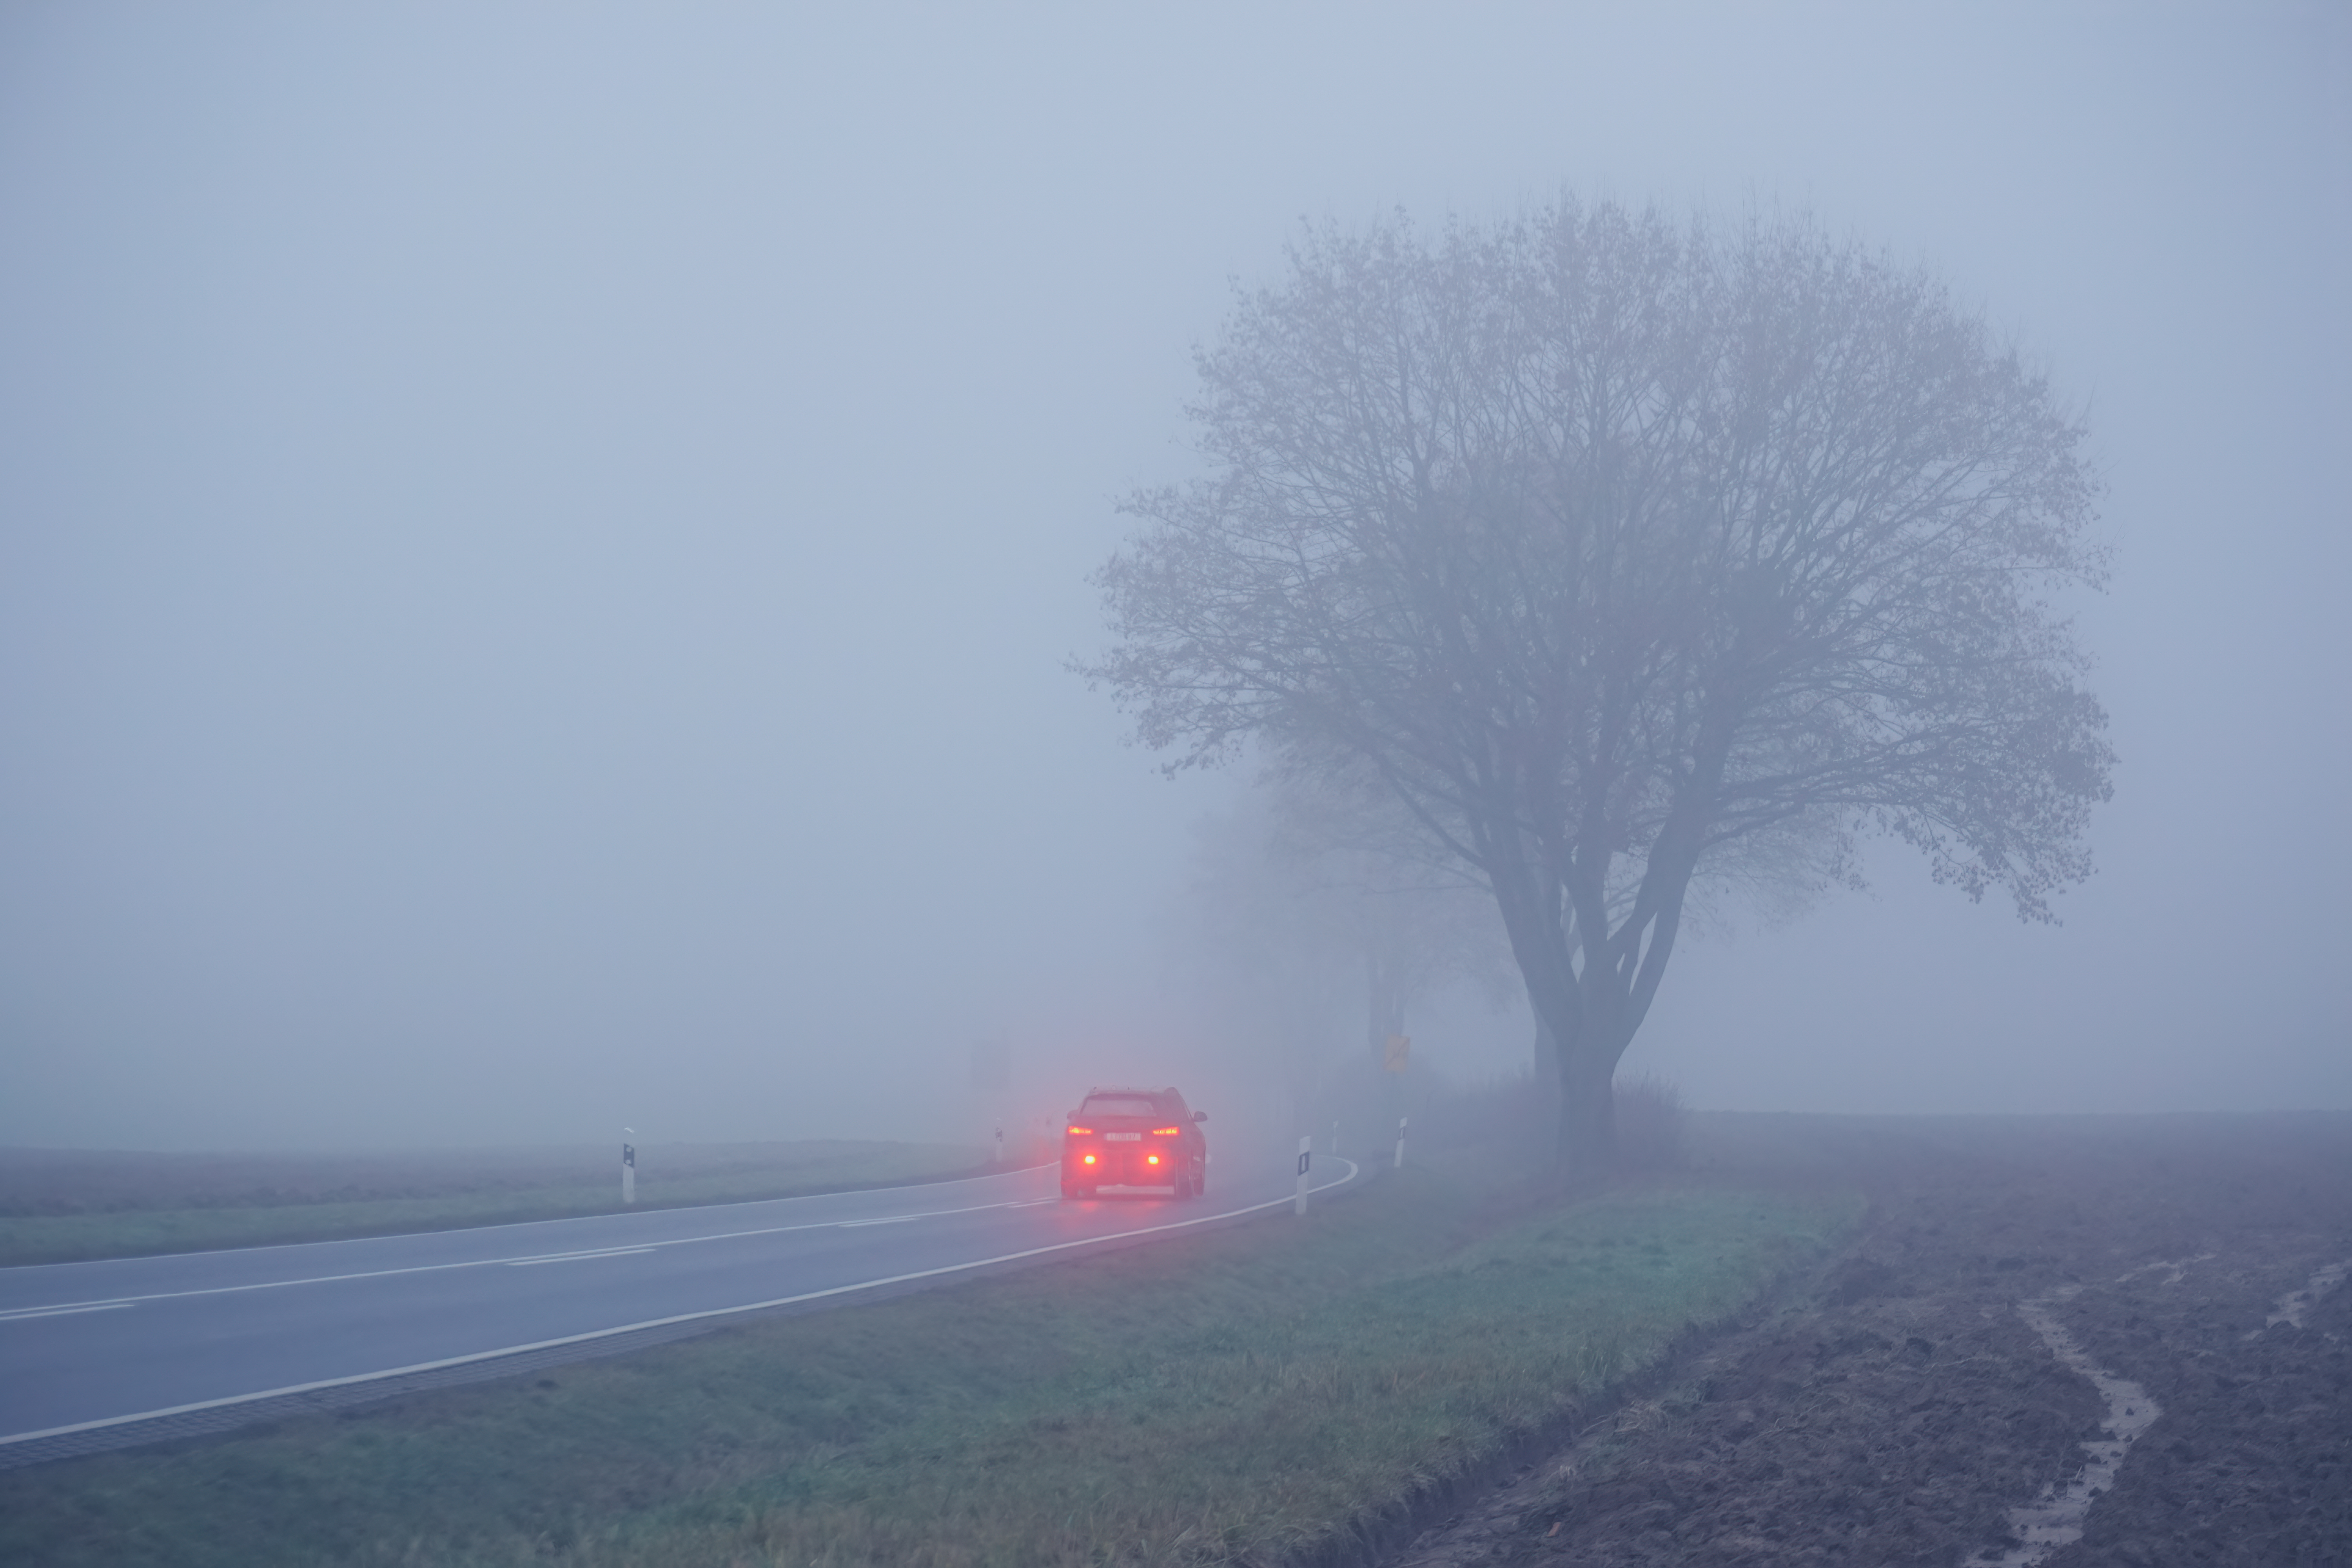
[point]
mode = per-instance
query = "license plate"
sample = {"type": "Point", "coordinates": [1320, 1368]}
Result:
{"type": "Point", "coordinates": [1122, 1137]}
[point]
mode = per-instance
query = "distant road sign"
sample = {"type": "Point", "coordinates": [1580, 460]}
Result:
{"type": "Point", "coordinates": [1400, 1047]}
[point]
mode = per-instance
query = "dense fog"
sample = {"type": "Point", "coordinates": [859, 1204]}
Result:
{"type": "Point", "coordinates": [541, 549]}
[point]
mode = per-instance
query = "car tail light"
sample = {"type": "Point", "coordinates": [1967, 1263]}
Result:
{"type": "Point", "coordinates": [1152, 1159]}
{"type": "Point", "coordinates": [1167, 1131]}
{"type": "Point", "coordinates": [1090, 1159]}
{"type": "Point", "coordinates": [1081, 1131]}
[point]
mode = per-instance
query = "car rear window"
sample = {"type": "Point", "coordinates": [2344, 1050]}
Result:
{"type": "Point", "coordinates": [1118, 1105]}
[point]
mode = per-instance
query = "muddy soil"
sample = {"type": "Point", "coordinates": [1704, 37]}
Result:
{"type": "Point", "coordinates": [2024, 1291]}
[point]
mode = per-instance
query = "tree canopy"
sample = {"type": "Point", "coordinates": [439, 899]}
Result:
{"type": "Point", "coordinates": [1628, 555]}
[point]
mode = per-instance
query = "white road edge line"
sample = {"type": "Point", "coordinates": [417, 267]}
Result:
{"type": "Point", "coordinates": [491, 1262]}
{"type": "Point", "coordinates": [576, 1256]}
{"type": "Point", "coordinates": [1353, 1170]}
{"type": "Point", "coordinates": [11, 1315]}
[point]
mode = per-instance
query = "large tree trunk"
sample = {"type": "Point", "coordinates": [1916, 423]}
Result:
{"type": "Point", "coordinates": [1588, 1118]}
{"type": "Point", "coordinates": [1583, 1109]}
{"type": "Point", "coordinates": [1583, 1106]}
{"type": "Point", "coordinates": [1550, 1095]}
{"type": "Point", "coordinates": [1585, 1016]}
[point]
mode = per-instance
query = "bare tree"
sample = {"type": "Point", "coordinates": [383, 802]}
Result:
{"type": "Point", "coordinates": [1628, 556]}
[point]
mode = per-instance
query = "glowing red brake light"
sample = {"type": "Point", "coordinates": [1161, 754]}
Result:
{"type": "Point", "coordinates": [1081, 1131]}
{"type": "Point", "coordinates": [1167, 1131]}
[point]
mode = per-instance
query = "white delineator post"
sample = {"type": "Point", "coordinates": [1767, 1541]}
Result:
{"type": "Point", "coordinates": [1000, 1146]}
{"type": "Point", "coordinates": [628, 1173]}
{"type": "Point", "coordinates": [1306, 1158]}
{"type": "Point", "coordinates": [1400, 1159]}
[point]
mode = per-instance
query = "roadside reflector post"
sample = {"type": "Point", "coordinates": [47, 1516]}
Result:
{"type": "Point", "coordinates": [1000, 1146]}
{"type": "Point", "coordinates": [628, 1173]}
{"type": "Point", "coordinates": [1306, 1158]}
{"type": "Point", "coordinates": [1400, 1159]}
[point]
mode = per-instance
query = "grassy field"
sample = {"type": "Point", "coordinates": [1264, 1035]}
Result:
{"type": "Point", "coordinates": [59, 1206]}
{"type": "Point", "coordinates": [1241, 1395]}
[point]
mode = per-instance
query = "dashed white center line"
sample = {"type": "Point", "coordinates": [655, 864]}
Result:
{"type": "Point", "coordinates": [60, 1308]}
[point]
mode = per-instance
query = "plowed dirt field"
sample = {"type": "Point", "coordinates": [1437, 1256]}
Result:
{"type": "Point", "coordinates": [2061, 1340]}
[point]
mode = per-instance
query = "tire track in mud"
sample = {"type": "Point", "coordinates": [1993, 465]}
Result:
{"type": "Point", "coordinates": [2055, 1518]}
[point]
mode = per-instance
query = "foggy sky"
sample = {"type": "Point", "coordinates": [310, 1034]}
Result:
{"type": "Point", "coordinates": [538, 543]}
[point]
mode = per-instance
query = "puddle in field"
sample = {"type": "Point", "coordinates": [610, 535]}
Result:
{"type": "Point", "coordinates": [2295, 1303]}
{"type": "Point", "coordinates": [2055, 1518]}
{"type": "Point", "coordinates": [2178, 1267]}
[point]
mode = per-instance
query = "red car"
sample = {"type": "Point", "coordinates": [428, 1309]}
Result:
{"type": "Point", "coordinates": [1134, 1138]}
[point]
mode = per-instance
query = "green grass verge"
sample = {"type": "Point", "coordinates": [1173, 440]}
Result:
{"type": "Point", "coordinates": [141, 1230]}
{"type": "Point", "coordinates": [1244, 1394]}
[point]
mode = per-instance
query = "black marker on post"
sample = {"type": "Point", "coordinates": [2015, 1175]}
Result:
{"type": "Point", "coordinates": [629, 1169]}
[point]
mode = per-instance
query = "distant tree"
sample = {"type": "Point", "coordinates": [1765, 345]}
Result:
{"type": "Point", "coordinates": [1628, 557]}
{"type": "Point", "coordinates": [1301, 913]}
{"type": "Point", "coordinates": [1407, 919]}
{"type": "Point", "coordinates": [1271, 978]}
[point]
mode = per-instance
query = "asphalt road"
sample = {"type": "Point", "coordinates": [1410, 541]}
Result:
{"type": "Point", "coordinates": [84, 1346]}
